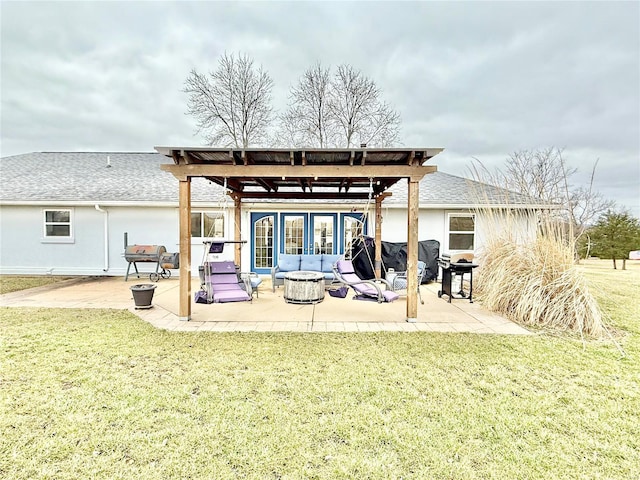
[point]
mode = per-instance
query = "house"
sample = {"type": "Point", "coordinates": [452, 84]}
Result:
{"type": "Point", "coordinates": [73, 213]}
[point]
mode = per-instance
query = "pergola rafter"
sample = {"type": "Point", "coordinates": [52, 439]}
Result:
{"type": "Point", "coordinates": [323, 174]}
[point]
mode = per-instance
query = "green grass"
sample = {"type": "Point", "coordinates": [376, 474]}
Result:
{"type": "Point", "coordinates": [11, 283]}
{"type": "Point", "coordinates": [101, 394]}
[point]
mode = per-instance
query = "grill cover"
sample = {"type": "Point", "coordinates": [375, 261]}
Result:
{"type": "Point", "coordinates": [394, 255]}
{"type": "Point", "coordinates": [143, 253]}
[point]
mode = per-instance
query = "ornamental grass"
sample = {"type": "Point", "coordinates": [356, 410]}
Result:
{"type": "Point", "coordinates": [537, 284]}
{"type": "Point", "coordinates": [528, 271]}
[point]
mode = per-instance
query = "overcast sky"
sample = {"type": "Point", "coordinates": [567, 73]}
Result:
{"type": "Point", "coordinates": [480, 79]}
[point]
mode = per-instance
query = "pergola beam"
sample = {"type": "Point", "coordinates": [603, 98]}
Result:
{"type": "Point", "coordinates": [305, 195]}
{"type": "Point", "coordinates": [183, 171]}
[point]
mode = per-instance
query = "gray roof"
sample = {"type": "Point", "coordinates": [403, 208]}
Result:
{"type": "Point", "coordinates": [103, 177]}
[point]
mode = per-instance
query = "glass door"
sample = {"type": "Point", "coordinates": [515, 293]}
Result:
{"type": "Point", "coordinates": [294, 233]}
{"type": "Point", "coordinates": [323, 233]}
{"type": "Point", "coordinates": [352, 227]}
{"type": "Point", "coordinates": [263, 253]}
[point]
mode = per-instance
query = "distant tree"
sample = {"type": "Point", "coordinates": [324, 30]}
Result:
{"type": "Point", "coordinates": [232, 105]}
{"type": "Point", "coordinates": [543, 174]}
{"type": "Point", "coordinates": [538, 173]}
{"type": "Point", "coordinates": [308, 120]}
{"type": "Point", "coordinates": [363, 118]}
{"type": "Point", "coordinates": [343, 110]}
{"type": "Point", "coordinates": [614, 235]}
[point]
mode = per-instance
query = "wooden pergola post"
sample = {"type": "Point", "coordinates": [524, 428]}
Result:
{"type": "Point", "coordinates": [378, 237]}
{"type": "Point", "coordinates": [185, 249]}
{"type": "Point", "coordinates": [412, 249]}
{"type": "Point", "coordinates": [237, 228]}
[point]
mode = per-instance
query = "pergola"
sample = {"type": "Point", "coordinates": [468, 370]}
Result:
{"type": "Point", "coordinates": [324, 174]}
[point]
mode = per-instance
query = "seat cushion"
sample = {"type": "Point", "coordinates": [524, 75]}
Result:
{"type": "Point", "coordinates": [329, 276]}
{"type": "Point", "coordinates": [312, 263]}
{"type": "Point", "coordinates": [345, 267]}
{"type": "Point", "coordinates": [328, 261]}
{"type": "Point", "coordinates": [231, 296]}
{"type": "Point", "coordinates": [289, 263]}
{"type": "Point", "coordinates": [390, 296]}
{"type": "Point", "coordinates": [226, 278]}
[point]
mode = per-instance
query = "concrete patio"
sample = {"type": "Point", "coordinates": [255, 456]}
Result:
{"type": "Point", "coordinates": [269, 312]}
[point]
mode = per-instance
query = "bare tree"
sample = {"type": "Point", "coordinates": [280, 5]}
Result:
{"type": "Point", "coordinates": [232, 104]}
{"type": "Point", "coordinates": [543, 174]}
{"type": "Point", "coordinates": [361, 115]}
{"type": "Point", "coordinates": [308, 118]}
{"type": "Point", "coordinates": [339, 111]}
{"type": "Point", "coordinates": [538, 174]}
{"type": "Point", "coordinates": [585, 205]}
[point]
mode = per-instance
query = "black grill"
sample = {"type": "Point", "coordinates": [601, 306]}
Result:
{"type": "Point", "coordinates": [456, 265]}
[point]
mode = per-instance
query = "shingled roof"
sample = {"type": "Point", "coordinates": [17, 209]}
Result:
{"type": "Point", "coordinates": [136, 178]}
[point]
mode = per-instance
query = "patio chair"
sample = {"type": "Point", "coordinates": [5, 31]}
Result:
{"type": "Point", "coordinates": [399, 281]}
{"type": "Point", "coordinates": [223, 285]}
{"type": "Point", "coordinates": [254, 280]}
{"type": "Point", "coordinates": [365, 289]}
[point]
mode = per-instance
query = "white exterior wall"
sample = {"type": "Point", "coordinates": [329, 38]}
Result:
{"type": "Point", "coordinates": [521, 228]}
{"type": "Point", "coordinates": [431, 224]}
{"type": "Point", "coordinates": [23, 251]}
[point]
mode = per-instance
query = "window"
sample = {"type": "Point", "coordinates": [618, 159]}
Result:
{"type": "Point", "coordinates": [263, 242]}
{"type": "Point", "coordinates": [461, 231]}
{"type": "Point", "coordinates": [58, 225]}
{"type": "Point", "coordinates": [207, 224]}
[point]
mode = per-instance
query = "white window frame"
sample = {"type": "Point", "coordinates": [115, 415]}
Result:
{"type": "Point", "coordinates": [57, 238]}
{"type": "Point", "coordinates": [216, 214]}
{"type": "Point", "coordinates": [450, 232]}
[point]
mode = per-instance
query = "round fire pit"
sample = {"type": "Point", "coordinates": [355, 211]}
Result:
{"type": "Point", "coordinates": [303, 287]}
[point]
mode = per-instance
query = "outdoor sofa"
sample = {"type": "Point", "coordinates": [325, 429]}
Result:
{"type": "Point", "coordinates": [312, 263]}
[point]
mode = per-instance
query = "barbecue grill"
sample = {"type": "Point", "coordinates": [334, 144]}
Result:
{"type": "Point", "coordinates": [135, 254]}
{"type": "Point", "coordinates": [456, 265]}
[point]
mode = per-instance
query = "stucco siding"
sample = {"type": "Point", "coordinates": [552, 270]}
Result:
{"type": "Point", "coordinates": [23, 250]}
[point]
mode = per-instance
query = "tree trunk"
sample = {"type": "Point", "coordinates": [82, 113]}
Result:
{"type": "Point", "coordinates": [624, 263]}
{"type": "Point", "coordinates": [614, 264]}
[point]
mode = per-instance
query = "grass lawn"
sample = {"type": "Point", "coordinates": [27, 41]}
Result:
{"type": "Point", "coordinates": [14, 283]}
{"type": "Point", "coordinates": [101, 394]}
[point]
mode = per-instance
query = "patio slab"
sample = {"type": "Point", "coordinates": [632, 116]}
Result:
{"type": "Point", "coordinates": [269, 312]}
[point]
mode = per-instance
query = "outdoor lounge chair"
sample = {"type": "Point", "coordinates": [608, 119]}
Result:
{"type": "Point", "coordinates": [365, 289]}
{"type": "Point", "coordinates": [399, 281]}
{"type": "Point", "coordinates": [223, 285]}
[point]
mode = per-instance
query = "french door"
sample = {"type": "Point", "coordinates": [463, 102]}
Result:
{"type": "Point", "coordinates": [301, 233]}
{"type": "Point", "coordinates": [263, 241]}
{"type": "Point", "coordinates": [308, 233]}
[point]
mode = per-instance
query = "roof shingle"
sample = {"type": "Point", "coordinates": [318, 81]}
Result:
{"type": "Point", "coordinates": [136, 177]}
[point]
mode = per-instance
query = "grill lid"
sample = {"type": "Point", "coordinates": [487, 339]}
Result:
{"type": "Point", "coordinates": [143, 253]}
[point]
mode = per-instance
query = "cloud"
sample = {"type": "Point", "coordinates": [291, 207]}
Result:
{"type": "Point", "coordinates": [481, 79]}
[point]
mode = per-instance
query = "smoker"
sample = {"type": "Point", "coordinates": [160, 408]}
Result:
{"type": "Point", "coordinates": [135, 254]}
{"type": "Point", "coordinates": [452, 267]}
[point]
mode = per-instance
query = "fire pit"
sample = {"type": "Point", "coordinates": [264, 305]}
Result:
{"type": "Point", "coordinates": [304, 287]}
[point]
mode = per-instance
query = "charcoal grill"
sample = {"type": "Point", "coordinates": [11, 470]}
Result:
{"type": "Point", "coordinates": [456, 265]}
{"type": "Point", "coordinates": [135, 254]}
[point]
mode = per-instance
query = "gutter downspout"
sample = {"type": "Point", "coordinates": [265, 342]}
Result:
{"type": "Point", "coordinates": [106, 237]}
